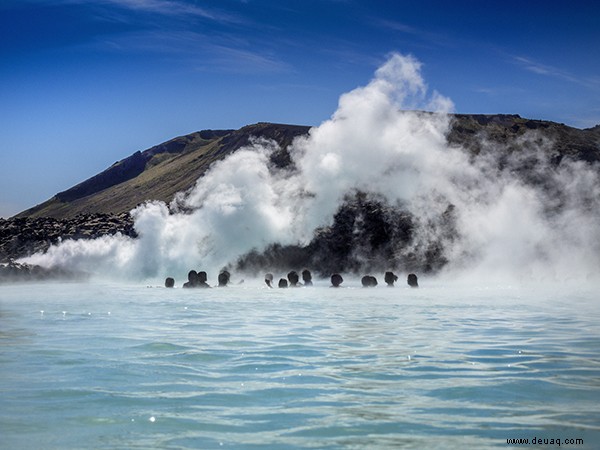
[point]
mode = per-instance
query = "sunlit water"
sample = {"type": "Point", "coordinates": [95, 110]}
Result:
{"type": "Point", "coordinates": [114, 366]}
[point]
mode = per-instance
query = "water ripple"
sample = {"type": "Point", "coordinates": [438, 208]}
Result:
{"type": "Point", "coordinates": [320, 369]}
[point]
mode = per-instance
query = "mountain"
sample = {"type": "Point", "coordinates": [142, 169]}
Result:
{"type": "Point", "coordinates": [469, 130]}
{"type": "Point", "coordinates": [364, 229]}
{"type": "Point", "coordinates": [158, 173]}
{"type": "Point", "coordinates": [173, 166]}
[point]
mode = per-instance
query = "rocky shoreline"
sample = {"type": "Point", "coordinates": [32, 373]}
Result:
{"type": "Point", "coordinates": [22, 237]}
{"type": "Point", "coordinates": [365, 232]}
{"type": "Point", "coordinates": [17, 272]}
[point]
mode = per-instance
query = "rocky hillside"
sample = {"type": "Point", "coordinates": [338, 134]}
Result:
{"type": "Point", "coordinates": [364, 228]}
{"type": "Point", "coordinates": [159, 172]}
{"type": "Point", "coordinates": [23, 236]}
{"type": "Point", "coordinates": [173, 166]}
{"type": "Point", "coordinates": [26, 235]}
{"type": "Point", "coordinates": [367, 233]}
{"type": "Point", "coordinates": [504, 129]}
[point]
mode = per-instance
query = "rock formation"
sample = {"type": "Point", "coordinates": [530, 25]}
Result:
{"type": "Point", "coordinates": [23, 236]}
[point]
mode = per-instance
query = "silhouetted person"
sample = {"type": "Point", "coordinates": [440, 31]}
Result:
{"type": "Point", "coordinates": [269, 279]}
{"type": "Point", "coordinates": [224, 278]}
{"type": "Point", "coordinates": [307, 277]}
{"type": "Point", "coordinates": [202, 277]}
{"type": "Point", "coordinates": [390, 278]}
{"type": "Point", "coordinates": [293, 278]}
{"type": "Point", "coordinates": [369, 281]}
{"type": "Point", "coordinates": [283, 283]}
{"type": "Point", "coordinates": [336, 280]}
{"type": "Point", "coordinates": [192, 280]}
{"type": "Point", "coordinates": [169, 282]}
{"type": "Point", "coordinates": [412, 280]}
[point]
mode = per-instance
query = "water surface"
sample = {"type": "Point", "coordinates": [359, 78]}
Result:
{"type": "Point", "coordinates": [114, 366]}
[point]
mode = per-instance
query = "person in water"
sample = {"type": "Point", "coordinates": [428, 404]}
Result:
{"type": "Point", "coordinates": [369, 281]}
{"type": "Point", "coordinates": [269, 279]}
{"type": "Point", "coordinates": [192, 280]}
{"type": "Point", "coordinates": [293, 278]}
{"type": "Point", "coordinates": [390, 278]}
{"type": "Point", "coordinates": [283, 283]}
{"type": "Point", "coordinates": [412, 280]}
{"type": "Point", "coordinates": [307, 277]}
{"type": "Point", "coordinates": [224, 278]}
{"type": "Point", "coordinates": [336, 280]}
{"type": "Point", "coordinates": [169, 282]}
{"type": "Point", "coordinates": [202, 277]}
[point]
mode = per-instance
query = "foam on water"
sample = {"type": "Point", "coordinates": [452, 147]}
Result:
{"type": "Point", "coordinates": [443, 366]}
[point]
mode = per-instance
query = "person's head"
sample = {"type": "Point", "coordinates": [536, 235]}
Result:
{"type": "Point", "coordinates": [283, 283]}
{"type": "Point", "coordinates": [336, 280]}
{"type": "Point", "coordinates": [269, 279]}
{"type": "Point", "coordinates": [369, 281]}
{"type": "Point", "coordinates": [390, 278]}
{"type": "Point", "coordinates": [412, 280]}
{"type": "Point", "coordinates": [202, 277]}
{"type": "Point", "coordinates": [169, 282]}
{"type": "Point", "coordinates": [223, 278]}
{"type": "Point", "coordinates": [306, 275]}
{"type": "Point", "coordinates": [193, 276]}
{"type": "Point", "coordinates": [293, 278]}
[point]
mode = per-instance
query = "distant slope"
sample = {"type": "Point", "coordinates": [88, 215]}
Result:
{"type": "Point", "coordinates": [161, 171]}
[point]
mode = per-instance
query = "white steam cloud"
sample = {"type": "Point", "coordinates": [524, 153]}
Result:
{"type": "Point", "coordinates": [375, 142]}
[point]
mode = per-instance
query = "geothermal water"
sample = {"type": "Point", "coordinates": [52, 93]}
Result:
{"type": "Point", "coordinates": [113, 366]}
{"type": "Point", "coordinates": [502, 345]}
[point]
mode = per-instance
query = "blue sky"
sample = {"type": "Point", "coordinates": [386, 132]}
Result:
{"type": "Point", "coordinates": [84, 83]}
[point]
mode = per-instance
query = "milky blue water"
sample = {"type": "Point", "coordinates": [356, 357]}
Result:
{"type": "Point", "coordinates": [109, 366]}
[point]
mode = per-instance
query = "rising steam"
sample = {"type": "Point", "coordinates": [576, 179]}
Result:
{"type": "Point", "coordinates": [376, 142]}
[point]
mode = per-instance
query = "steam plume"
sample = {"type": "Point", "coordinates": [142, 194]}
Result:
{"type": "Point", "coordinates": [377, 141]}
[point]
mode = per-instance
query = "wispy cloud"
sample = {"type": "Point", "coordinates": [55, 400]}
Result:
{"type": "Point", "coordinates": [397, 26]}
{"type": "Point", "coordinates": [196, 50]}
{"type": "Point", "coordinates": [429, 37]}
{"type": "Point", "coordinates": [555, 72]}
{"type": "Point", "coordinates": [238, 60]}
{"type": "Point", "coordinates": [171, 8]}
{"type": "Point", "coordinates": [165, 8]}
{"type": "Point", "coordinates": [167, 29]}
